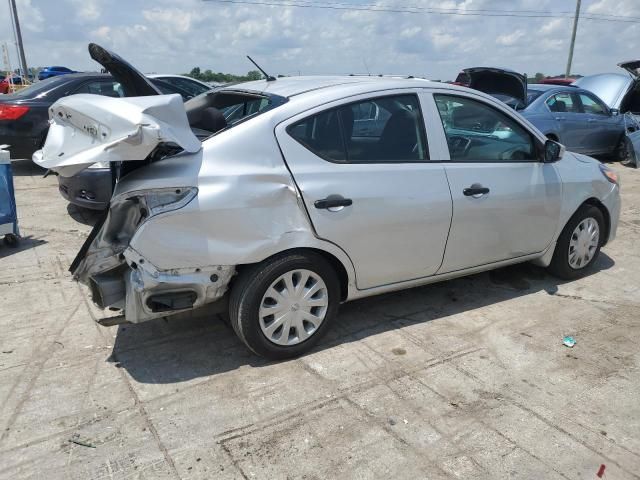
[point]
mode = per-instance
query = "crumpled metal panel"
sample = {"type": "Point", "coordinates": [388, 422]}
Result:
{"type": "Point", "coordinates": [86, 129]}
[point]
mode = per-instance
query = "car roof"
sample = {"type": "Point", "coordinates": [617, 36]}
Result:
{"type": "Point", "coordinates": [292, 86]}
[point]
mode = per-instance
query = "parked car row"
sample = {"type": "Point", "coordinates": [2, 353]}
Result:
{"type": "Point", "coordinates": [320, 190]}
{"type": "Point", "coordinates": [574, 115]}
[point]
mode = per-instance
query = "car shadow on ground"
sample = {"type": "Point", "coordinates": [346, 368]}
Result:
{"type": "Point", "coordinates": [171, 351]}
{"type": "Point", "coordinates": [26, 168]}
{"type": "Point", "coordinates": [24, 243]}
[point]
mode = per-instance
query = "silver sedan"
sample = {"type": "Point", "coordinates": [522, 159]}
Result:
{"type": "Point", "coordinates": [324, 190]}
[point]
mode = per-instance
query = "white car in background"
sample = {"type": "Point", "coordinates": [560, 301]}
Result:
{"type": "Point", "coordinates": [325, 190]}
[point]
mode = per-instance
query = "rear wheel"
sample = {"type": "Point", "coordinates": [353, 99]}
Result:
{"type": "Point", "coordinates": [579, 243]}
{"type": "Point", "coordinates": [281, 307]}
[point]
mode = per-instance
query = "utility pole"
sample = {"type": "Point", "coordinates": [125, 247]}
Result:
{"type": "Point", "coordinates": [18, 33]}
{"type": "Point", "coordinates": [573, 38]}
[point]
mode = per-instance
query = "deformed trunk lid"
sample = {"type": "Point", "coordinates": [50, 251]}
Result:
{"type": "Point", "coordinates": [498, 81]}
{"type": "Point", "coordinates": [86, 129]}
{"type": "Point", "coordinates": [134, 83]}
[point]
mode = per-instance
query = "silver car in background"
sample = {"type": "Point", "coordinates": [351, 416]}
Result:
{"type": "Point", "coordinates": [332, 189]}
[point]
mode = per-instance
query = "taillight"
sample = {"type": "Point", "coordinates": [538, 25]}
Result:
{"type": "Point", "coordinates": [12, 112]}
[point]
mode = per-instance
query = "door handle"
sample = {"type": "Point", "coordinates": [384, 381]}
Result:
{"type": "Point", "coordinates": [475, 191]}
{"type": "Point", "coordinates": [560, 118]}
{"type": "Point", "coordinates": [591, 120]}
{"type": "Point", "coordinates": [332, 201]}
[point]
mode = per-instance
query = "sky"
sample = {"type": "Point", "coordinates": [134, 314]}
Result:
{"type": "Point", "coordinates": [173, 36]}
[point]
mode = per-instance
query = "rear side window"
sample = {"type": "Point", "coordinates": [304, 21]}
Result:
{"type": "Point", "coordinates": [380, 130]}
{"type": "Point", "coordinates": [563, 103]}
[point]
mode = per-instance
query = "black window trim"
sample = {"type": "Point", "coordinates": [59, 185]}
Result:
{"type": "Point", "coordinates": [421, 121]}
{"type": "Point", "coordinates": [538, 145]}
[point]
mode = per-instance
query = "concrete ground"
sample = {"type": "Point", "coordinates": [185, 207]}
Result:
{"type": "Point", "coordinates": [464, 379]}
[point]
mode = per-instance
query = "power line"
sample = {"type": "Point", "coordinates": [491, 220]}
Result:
{"type": "Point", "coordinates": [430, 10]}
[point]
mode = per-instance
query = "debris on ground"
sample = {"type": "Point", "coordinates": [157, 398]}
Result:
{"type": "Point", "coordinates": [76, 439]}
{"type": "Point", "coordinates": [569, 341]}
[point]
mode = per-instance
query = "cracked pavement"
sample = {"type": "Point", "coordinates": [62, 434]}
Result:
{"type": "Point", "coordinates": [462, 379]}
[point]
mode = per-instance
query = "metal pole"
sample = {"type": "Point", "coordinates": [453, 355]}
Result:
{"type": "Point", "coordinates": [573, 38]}
{"type": "Point", "coordinates": [16, 23]}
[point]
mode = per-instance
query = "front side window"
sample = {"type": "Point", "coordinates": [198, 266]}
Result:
{"type": "Point", "coordinates": [477, 132]}
{"type": "Point", "coordinates": [380, 130]}
{"type": "Point", "coordinates": [590, 105]}
{"type": "Point", "coordinates": [563, 103]}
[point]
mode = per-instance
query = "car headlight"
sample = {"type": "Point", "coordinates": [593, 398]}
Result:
{"type": "Point", "coordinates": [609, 174]}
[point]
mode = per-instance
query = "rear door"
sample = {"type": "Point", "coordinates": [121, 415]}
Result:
{"type": "Point", "coordinates": [506, 203]}
{"type": "Point", "coordinates": [362, 166]}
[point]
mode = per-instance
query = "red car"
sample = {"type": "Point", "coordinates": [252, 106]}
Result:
{"type": "Point", "coordinates": [4, 84]}
{"type": "Point", "coordinates": [557, 81]}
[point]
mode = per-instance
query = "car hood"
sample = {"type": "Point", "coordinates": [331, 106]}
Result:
{"type": "Point", "coordinates": [612, 87]}
{"type": "Point", "coordinates": [498, 81]}
{"type": "Point", "coordinates": [86, 129]}
{"type": "Point", "coordinates": [134, 83]}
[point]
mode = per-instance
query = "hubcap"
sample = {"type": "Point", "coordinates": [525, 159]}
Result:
{"type": "Point", "coordinates": [584, 243]}
{"type": "Point", "coordinates": [293, 307]}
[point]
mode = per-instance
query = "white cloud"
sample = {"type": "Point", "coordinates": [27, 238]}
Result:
{"type": "Point", "coordinates": [176, 35]}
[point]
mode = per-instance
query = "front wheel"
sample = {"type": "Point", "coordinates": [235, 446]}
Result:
{"type": "Point", "coordinates": [281, 307]}
{"type": "Point", "coordinates": [579, 243]}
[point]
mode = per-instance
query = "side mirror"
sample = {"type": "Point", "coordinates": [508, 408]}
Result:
{"type": "Point", "coordinates": [614, 112]}
{"type": "Point", "coordinates": [553, 151]}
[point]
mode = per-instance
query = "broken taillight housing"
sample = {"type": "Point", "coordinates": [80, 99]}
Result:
{"type": "Point", "coordinates": [12, 112]}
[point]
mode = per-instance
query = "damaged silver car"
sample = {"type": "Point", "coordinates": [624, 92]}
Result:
{"type": "Point", "coordinates": [323, 190]}
{"type": "Point", "coordinates": [622, 94]}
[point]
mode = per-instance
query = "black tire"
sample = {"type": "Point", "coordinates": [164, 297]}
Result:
{"type": "Point", "coordinates": [560, 266]}
{"type": "Point", "coordinates": [249, 288]}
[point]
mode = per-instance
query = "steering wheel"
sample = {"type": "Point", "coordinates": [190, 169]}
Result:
{"type": "Point", "coordinates": [515, 153]}
{"type": "Point", "coordinates": [459, 145]}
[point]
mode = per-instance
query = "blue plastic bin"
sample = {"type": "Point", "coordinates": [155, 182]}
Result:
{"type": "Point", "coordinates": [8, 215]}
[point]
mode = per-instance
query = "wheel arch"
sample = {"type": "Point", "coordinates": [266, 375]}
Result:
{"type": "Point", "coordinates": [605, 213]}
{"type": "Point", "coordinates": [335, 262]}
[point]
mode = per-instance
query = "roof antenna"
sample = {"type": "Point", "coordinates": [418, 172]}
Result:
{"type": "Point", "coordinates": [267, 76]}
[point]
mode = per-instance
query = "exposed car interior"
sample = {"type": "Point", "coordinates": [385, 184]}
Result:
{"type": "Point", "coordinates": [631, 102]}
{"type": "Point", "coordinates": [217, 110]}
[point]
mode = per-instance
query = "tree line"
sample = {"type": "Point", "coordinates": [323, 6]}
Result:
{"type": "Point", "coordinates": [219, 77]}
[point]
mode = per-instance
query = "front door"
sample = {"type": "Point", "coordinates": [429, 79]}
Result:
{"type": "Point", "coordinates": [369, 187]}
{"type": "Point", "coordinates": [572, 123]}
{"type": "Point", "coordinates": [506, 203]}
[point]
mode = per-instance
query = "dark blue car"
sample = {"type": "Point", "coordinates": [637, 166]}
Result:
{"type": "Point", "coordinates": [575, 117]}
{"type": "Point", "coordinates": [48, 72]}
